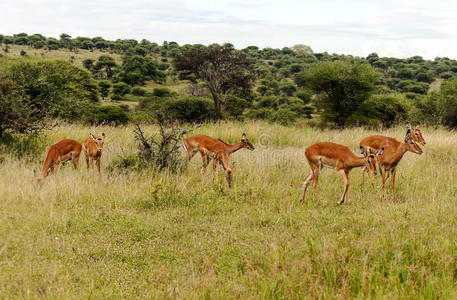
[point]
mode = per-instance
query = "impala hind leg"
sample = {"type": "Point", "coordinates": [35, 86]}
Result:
{"type": "Point", "coordinates": [76, 161]}
{"type": "Point", "coordinates": [394, 172]}
{"type": "Point", "coordinates": [316, 171]}
{"type": "Point", "coordinates": [344, 175]}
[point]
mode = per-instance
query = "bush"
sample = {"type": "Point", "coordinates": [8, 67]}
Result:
{"type": "Point", "coordinates": [34, 89]}
{"type": "Point", "coordinates": [304, 95]}
{"type": "Point", "coordinates": [110, 114]}
{"type": "Point", "coordinates": [184, 109]}
{"type": "Point", "coordinates": [234, 106]}
{"type": "Point", "coordinates": [284, 116]}
{"type": "Point", "coordinates": [163, 92]}
{"type": "Point", "coordinates": [385, 110]}
{"type": "Point", "coordinates": [447, 104]}
{"type": "Point", "coordinates": [137, 91]}
{"type": "Point", "coordinates": [120, 89]}
{"type": "Point", "coordinates": [446, 75]}
{"type": "Point", "coordinates": [413, 86]}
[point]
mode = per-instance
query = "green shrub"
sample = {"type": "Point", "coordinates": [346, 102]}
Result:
{"type": "Point", "coordinates": [184, 109]}
{"type": "Point", "coordinates": [110, 114]}
{"type": "Point", "coordinates": [120, 89]}
{"type": "Point", "coordinates": [385, 110]}
{"type": "Point", "coordinates": [284, 115]}
{"type": "Point", "coordinates": [137, 91]}
{"type": "Point", "coordinates": [234, 106]}
{"type": "Point", "coordinates": [163, 92]}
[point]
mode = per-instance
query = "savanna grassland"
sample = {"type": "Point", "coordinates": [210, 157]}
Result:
{"type": "Point", "coordinates": [136, 234]}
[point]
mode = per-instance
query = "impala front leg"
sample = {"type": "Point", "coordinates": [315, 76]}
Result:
{"type": "Point", "coordinates": [383, 174]}
{"type": "Point", "coordinates": [344, 175]}
{"type": "Point", "coordinates": [205, 161]}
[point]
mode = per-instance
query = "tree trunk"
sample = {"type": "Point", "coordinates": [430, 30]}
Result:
{"type": "Point", "coordinates": [217, 109]}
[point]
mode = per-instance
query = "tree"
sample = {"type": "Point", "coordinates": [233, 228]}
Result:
{"type": "Point", "coordinates": [104, 86]}
{"type": "Point", "coordinates": [88, 63]}
{"type": "Point", "coordinates": [344, 85]}
{"type": "Point", "coordinates": [447, 104]}
{"type": "Point", "coordinates": [34, 89]}
{"type": "Point", "coordinates": [120, 89]}
{"type": "Point", "coordinates": [221, 67]}
{"type": "Point", "coordinates": [105, 66]}
{"type": "Point", "coordinates": [137, 69]}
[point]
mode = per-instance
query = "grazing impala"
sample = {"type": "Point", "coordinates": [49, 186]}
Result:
{"type": "Point", "coordinates": [393, 153]}
{"type": "Point", "coordinates": [203, 143]}
{"type": "Point", "coordinates": [373, 143]}
{"type": "Point", "coordinates": [335, 156]}
{"type": "Point", "coordinates": [222, 157]}
{"type": "Point", "coordinates": [93, 147]}
{"type": "Point", "coordinates": [61, 152]}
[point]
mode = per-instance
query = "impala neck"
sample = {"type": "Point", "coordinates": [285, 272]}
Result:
{"type": "Point", "coordinates": [357, 161]}
{"type": "Point", "coordinates": [399, 152]}
{"type": "Point", "coordinates": [234, 147]}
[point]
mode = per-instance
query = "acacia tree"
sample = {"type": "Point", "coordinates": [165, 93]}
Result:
{"type": "Point", "coordinates": [345, 87]}
{"type": "Point", "coordinates": [221, 67]}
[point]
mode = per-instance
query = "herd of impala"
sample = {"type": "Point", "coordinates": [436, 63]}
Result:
{"type": "Point", "coordinates": [376, 149]}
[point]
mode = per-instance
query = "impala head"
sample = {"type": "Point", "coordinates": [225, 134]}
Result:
{"type": "Point", "coordinates": [228, 174]}
{"type": "Point", "coordinates": [411, 145]}
{"type": "Point", "coordinates": [99, 141]}
{"type": "Point", "coordinates": [416, 135]}
{"type": "Point", "coordinates": [371, 159]}
{"type": "Point", "coordinates": [246, 143]}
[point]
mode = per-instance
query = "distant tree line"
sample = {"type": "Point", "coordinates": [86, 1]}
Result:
{"type": "Point", "coordinates": [279, 85]}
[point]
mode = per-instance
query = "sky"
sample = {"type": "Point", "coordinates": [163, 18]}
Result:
{"type": "Point", "coordinates": [401, 28]}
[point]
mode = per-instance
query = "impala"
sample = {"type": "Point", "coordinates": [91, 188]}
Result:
{"type": "Point", "coordinates": [222, 157]}
{"type": "Point", "coordinates": [373, 143]}
{"type": "Point", "coordinates": [203, 143]}
{"type": "Point", "coordinates": [393, 153]}
{"type": "Point", "coordinates": [93, 147]}
{"type": "Point", "coordinates": [61, 152]}
{"type": "Point", "coordinates": [335, 156]}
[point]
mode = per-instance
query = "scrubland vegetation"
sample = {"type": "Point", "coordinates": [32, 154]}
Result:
{"type": "Point", "coordinates": [138, 230]}
{"type": "Point", "coordinates": [140, 233]}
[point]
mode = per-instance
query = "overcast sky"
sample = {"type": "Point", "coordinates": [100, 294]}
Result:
{"type": "Point", "coordinates": [391, 28]}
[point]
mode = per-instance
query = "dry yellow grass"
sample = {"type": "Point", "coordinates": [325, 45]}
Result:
{"type": "Point", "coordinates": [143, 234]}
{"type": "Point", "coordinates": [75, 57]}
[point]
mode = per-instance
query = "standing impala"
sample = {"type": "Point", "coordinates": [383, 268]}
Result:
{"type": "Point", "coordinates": [338, 157]}
{"type": "Point", "coordinates": [214, 148]}
{"type": "Point", "coordinates": [373, 143]}
{"type": "Point", "coordinates": [93, 147]}
{"type": "Point", "coordinates": [393, 153]}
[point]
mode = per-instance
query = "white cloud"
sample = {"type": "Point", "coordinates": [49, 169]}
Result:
{"type": "Point", "coordinates": [394, 28]}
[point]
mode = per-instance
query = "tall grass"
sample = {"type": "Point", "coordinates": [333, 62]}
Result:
{"type": "Point", "coordinates": [145, 234]}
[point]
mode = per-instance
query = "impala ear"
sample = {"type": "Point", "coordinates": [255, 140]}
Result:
{"type": "Point", "coordinates": [243, 137]}
{"type": "Point", "coordinates": [408, 126]}
{"type": "Point", "coordinates": [362, 150]}
{"type": "Point", "coordinates": [380, 151]}
{"type": "Point", "coordinates": [103, 135]}
{"type": "Point", "coordinates": [417, 126]}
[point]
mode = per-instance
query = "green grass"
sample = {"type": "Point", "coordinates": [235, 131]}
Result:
{"type": "Point", "coordinates": [143, 234]}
